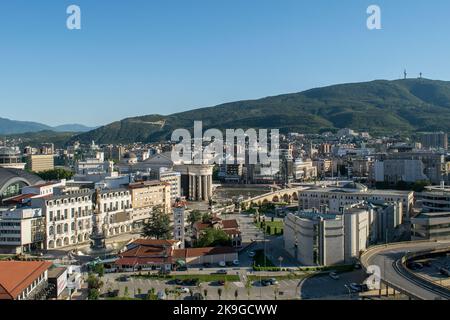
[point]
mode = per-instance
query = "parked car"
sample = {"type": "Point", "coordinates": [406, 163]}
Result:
{"type": "Point", "coordinates": [179, 281]}
{"type": "Point", "coordinates": [222, 264]}
{"type": "Point", "coordinates": [184, 290]}
{"type": "Point", "coordinates": [161, 295]}
{"type": "Point", "coordinates": [415, 266]}
{"type": "Point", "coordinates": [191, 282]}
{"type": "Point", "coordinates": [355, 287]}
{"type": "Point", "coordinates": [222, 271]}
{"type": "Point", "coordinates": [123, 278]}
{"type": "Point", "coordinates": [266, 282]}
{"type": "Point", "coordinates": [333, 275]}
{"type": "Point", "coordinates": [273, 281]}
{"type": "Point", "coordinates": [221, 282]}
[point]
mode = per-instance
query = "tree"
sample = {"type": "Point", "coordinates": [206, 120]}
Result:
{"type": "Point", "coordinates": [99, 269]}
{"type": "Point", "coordinates": [212, 237]}
{"type": "Point", "coordinates": [151, 294]}
{"type": "Point", "coordinates": [158, 226]}
{"type": "Point", "coordinates": [94, 282]}
{"type": "Point", "coordinates": [206, 217]}
{"type": "Point", "coordinates": [94, 285]}
{"type": "Point", "coordinates": [194, 217]}
{"type": "Point", "coordinates": [55, 174]}
{"type": "Point", "coordinates": [93, 294]}
{"type": "Point", "coordinates": [219, 292]}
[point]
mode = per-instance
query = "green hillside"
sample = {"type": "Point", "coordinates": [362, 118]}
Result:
{"type": "Point", "coordinates": [378, 107]}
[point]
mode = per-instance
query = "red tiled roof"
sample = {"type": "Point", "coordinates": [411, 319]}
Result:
{"type": "Point", "coordinates": [197, 252]}
{"type": "Point", "coordinates": [16, 276]}
{"type": "Point", "coordinates": [230, 224]}
{"type": "Point", "coordinates": [20, 198]}
{"type": "Point", "coordinates": [143, 261]}
{"type": "Point", "coordinates": [154, 242]}
{"type": "Point", "coordinates": [201, 226]}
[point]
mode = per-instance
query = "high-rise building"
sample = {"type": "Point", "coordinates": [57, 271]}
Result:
{"type": "Point", "coordinates": [11, 157]}
{"type": "Point", "coordinates": [40, 162]}
{"type": "Point", "coordinates": [434, 140]}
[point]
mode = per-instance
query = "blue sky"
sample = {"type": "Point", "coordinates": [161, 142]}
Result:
{"type": "Point", "coordinates": [139, 57]}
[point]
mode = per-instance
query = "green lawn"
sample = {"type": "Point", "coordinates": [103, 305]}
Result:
{"type": "Point", "coordinates": [276, 227]}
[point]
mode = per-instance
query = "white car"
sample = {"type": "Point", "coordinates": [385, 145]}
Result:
{"type": "Point", "coordinates": [161, 295]}
{"type": "Point", "coordinates": [222, 264]}
{"type": "Point", "coordinates": [334, 275]}
{"type": "Point", "coordinates": [184, 290]}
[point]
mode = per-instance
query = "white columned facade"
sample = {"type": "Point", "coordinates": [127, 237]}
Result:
{"type": "Point", "coordinates": [199, 186]}
{"type": "Point", "coordinates": [199, 180]}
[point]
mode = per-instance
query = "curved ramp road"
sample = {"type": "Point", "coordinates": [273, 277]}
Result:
{"type": "Point", "coordinates": [388, 259]}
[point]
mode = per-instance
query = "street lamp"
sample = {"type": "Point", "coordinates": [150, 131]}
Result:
{"type": "Point", "coordinates": [280, 258]}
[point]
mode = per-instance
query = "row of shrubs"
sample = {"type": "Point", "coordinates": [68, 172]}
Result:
{"type": "Point", "coordinates": [153, 275]}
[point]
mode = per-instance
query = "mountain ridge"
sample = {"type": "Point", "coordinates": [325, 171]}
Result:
{"type": "Point", "coordinates": [378, 106]}
{"type": "Point", "coordinates": [11, 127]}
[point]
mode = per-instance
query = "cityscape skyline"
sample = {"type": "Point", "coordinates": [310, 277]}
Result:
{"type": "Point", "coordinates": [177, 56]}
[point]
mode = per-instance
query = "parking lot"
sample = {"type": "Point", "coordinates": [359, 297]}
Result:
{"type": "Point", "coordinates": [324, 287]}
{"type": "Point", "coordinates": [285, 289]}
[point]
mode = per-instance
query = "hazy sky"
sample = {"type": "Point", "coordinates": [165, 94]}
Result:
{"type": "Point", "coordinates": [139, 57]}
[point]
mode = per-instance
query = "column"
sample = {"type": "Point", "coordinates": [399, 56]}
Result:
{"type": "Point", "coordinates": [210, 185]}
{"type": "Point", "coordinates": [190, 187]}
{"type": "Point", "coordinates": [194, 188]}
{"type": "Point", "coordinates": [199, 188]}
{"type": "Point", "coordinates": [205, 187]}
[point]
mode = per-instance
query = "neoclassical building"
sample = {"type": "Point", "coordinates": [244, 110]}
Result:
{"type": "Point", "coordinates": [196, 179]}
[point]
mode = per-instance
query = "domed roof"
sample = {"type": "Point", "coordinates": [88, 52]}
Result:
{"type": "Point", "coordinates": [8, 176]}
{"type": "Point", "coordinates": [355, 186]}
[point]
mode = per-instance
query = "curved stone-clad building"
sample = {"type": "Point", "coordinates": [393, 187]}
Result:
{"type": "Point", "coordinates": [13, 180]}
{"type": "Point", "coordinates": [196, 181]}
